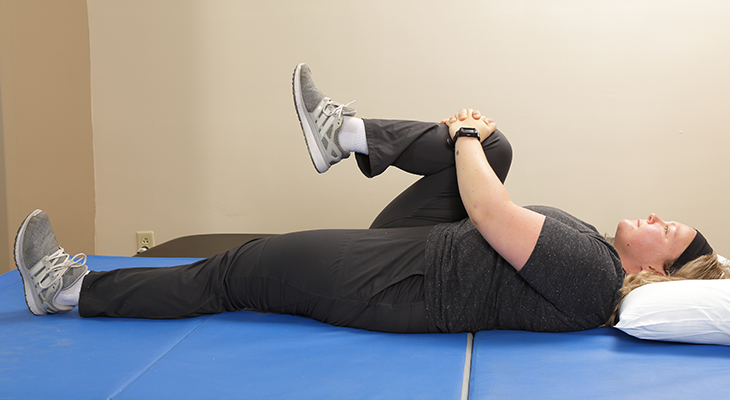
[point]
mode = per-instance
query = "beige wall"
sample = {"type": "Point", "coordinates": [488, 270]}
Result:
{"type": "Point", "coordinates": [615, 109]}
{"type": "Point", "coordinates": [47, 159]}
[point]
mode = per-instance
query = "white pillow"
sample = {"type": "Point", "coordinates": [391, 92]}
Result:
{"type": "Point", "coordinates": [691, 311]}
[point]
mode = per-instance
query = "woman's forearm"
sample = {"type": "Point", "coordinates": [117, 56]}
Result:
{"type": "Point", "coordinates": [482, 193]}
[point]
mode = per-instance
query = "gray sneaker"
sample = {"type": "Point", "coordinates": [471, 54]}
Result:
{"type": "Point", "coordinates": [45, 268]}
{"type": "Point", "coordinates": [321, 120]}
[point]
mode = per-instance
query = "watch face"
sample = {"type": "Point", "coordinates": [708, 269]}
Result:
{"type": "Point", "coordinates": [468, 131]}
{"type": "Point", "coordinates": [464, 131]}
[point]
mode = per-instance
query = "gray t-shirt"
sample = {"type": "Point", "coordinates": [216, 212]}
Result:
{"type": "Point", "coordinates": [571, 281]}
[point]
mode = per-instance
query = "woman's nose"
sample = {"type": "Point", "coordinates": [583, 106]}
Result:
{"type": "Point", "coordinates": [653, 219]}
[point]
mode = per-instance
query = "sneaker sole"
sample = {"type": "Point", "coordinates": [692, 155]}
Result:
{"type": "Point", "coordinates": [31, 300]}
{"type": "Point", "coordinates": [308, 126]}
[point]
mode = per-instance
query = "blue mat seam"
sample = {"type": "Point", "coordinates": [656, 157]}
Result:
{"type": "Point", "coordinates": [134, 378]}
{"type": "Point", "coordinates": [473, 368]}
{"type": "Point", "coordinates": [468, 357]}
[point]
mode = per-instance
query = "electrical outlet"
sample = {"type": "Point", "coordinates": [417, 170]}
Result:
{"type": "Point", "coordinates": [145, 240]}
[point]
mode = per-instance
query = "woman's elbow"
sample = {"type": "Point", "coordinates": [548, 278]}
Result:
{"type": "Point", "coordinates": [478, 217]}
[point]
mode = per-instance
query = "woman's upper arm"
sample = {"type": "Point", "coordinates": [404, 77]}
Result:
{"type": "Point", "coordinates": [510, 229]}
{"type": "Point", "coordinates": [513, 234]}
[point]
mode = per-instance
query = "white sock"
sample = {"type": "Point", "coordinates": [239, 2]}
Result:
{"type": "Point", "coordinates": [352, 135]}
{"type": "Point", "coordinates": [70, 295]}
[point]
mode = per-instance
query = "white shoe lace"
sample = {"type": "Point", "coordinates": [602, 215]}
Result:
{"type": "Point", "coordinates": [61, 261]}
{"type": "Point", "coordinates": [338, 109]}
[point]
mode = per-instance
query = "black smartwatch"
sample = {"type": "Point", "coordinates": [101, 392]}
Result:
{"type": "Point", "coordinates": [465, 131]}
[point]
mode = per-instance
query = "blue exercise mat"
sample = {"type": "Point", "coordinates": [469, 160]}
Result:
{"type": "Point", "coordinates": [244, 354]}
{"type": "Point", "coordinates": [255, 355]}
{"type": "Point", "coordinates": [596, 364]}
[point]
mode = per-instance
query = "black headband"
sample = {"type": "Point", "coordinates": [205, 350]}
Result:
{"type": "Point", "coordinates": [698, 247]}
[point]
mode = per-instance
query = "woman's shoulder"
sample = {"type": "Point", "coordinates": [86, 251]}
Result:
{"type": "Point", "coordinates": [565, 218]}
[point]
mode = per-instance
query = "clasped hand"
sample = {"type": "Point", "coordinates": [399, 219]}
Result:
{"type": "Point", "coordinates": [472, 118]}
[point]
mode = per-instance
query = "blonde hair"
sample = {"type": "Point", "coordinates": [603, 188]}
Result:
{"type": "Point", "coordinates": [704, 267]}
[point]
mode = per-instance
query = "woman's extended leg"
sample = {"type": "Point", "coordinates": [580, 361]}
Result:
{"type": "Point", "coordinates": [358, 278]}
{"type": "Point", "coordinates": [369, 279]}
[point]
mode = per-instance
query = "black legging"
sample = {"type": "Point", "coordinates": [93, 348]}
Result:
{"type": "Point", "coordinates": [367, 278]}
{"type": "Point", "coordinates": [420, 148]}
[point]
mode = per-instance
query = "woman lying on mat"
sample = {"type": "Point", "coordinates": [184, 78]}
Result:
{"type": "Point", "coordinates": [452, 253]}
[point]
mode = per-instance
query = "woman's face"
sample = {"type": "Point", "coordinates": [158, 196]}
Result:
{"type": "Point", "coordinates": [648, 243]}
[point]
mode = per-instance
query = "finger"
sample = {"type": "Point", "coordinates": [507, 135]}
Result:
{"type": "Point", "coordinates": [462, 114]}
{"type": "Point", "coordinates": [476, 114]}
